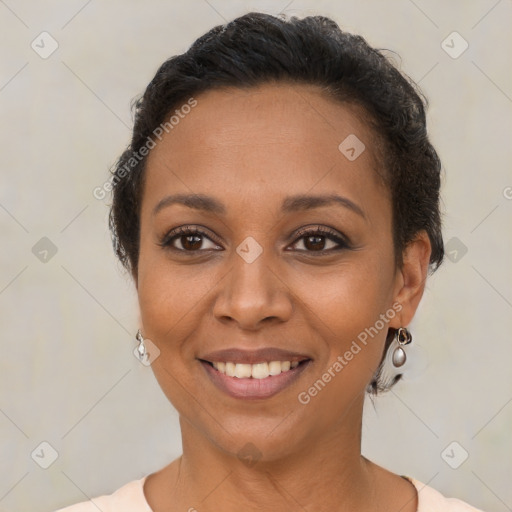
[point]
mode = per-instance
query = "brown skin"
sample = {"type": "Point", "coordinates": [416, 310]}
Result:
{"type": "Point", "coordinates": [250, 149]}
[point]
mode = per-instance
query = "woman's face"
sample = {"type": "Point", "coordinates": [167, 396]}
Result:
{"type": "Point", "coordinates": [251, 280]}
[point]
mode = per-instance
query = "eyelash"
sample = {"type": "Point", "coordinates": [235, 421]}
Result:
{"type": "Point", "coordinates": [343, 243]}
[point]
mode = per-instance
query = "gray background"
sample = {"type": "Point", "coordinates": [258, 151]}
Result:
{"type": "Point", "coordinates": [68, 375]}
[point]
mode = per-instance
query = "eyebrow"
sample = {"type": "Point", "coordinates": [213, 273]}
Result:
{"type": "Point", "coordinates": [290, 204]}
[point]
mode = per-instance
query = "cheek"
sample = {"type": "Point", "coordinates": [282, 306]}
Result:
{"type": "Point", "coordinates": [348, 308]}
{"type": "Point", "coordinates": [163, 295]}
{"type": "Point", "coordinates": [352, 297]}
{"type": "Point", "coordinates": [171, 299]}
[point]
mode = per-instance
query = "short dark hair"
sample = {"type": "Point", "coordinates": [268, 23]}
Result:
{"type": "Point", "coordinates": [258, 48]}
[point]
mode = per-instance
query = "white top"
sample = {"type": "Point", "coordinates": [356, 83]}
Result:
{"type": "Point", "coordinates": [130, 498]}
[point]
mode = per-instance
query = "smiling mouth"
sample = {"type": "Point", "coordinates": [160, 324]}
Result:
{"type": "Point", "coordinates": [253, 381]}
{"type": "Point", "coordinates": [254, 371]}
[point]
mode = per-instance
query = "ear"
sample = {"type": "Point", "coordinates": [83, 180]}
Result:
{"type": "Point", "coordinates": [410, 279]}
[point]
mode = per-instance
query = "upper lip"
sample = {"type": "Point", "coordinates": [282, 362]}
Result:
{"type": "Point", "coordinates": [241, 356]}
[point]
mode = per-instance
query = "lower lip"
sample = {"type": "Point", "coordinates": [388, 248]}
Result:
{"type": "Point", "coordinates": [253, 389]}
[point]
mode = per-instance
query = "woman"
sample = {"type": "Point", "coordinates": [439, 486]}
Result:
{"type": "Point", "coordinates": [278, 209]}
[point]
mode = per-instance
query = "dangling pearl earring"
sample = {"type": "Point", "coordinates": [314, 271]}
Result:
{"type": "Point", "coordinates": [141, 349]}
{"type": "Point", "coordinates": [403, 337]}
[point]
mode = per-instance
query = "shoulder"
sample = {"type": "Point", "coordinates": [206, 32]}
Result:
{"type": "Point", "coordinates": [128, 498]}
{"type": "Point", "coordinates": [430, 500]}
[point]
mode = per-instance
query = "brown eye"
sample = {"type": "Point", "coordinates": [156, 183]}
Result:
{"type": "Point", "coordinates": [187, 239]}
{"type": "Point", "coordinates": [190, 242]}
{"type": "Point", "coordinates": [320, 240]}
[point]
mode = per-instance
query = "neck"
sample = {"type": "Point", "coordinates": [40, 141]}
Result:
{"type": "Point", "coordinates": [325, 469]}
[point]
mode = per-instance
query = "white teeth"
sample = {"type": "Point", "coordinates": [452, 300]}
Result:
{"type": "Point", "coordinates": [242, 371]}
{"type": "Point", "coordinates": [230, 369]}
{"type": "Point", "coordinates": [274, 367]}
{"type": "Point", "coordinates": [260, 371]}
{"type": "Point", "coordinates": [256, 371]}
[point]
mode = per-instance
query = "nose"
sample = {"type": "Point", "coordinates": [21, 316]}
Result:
{"type": "Point", "coordinates": [253, 294]}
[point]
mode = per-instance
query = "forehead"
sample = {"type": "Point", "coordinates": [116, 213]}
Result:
{"type": "Point", "coordinates": [273, 140]}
